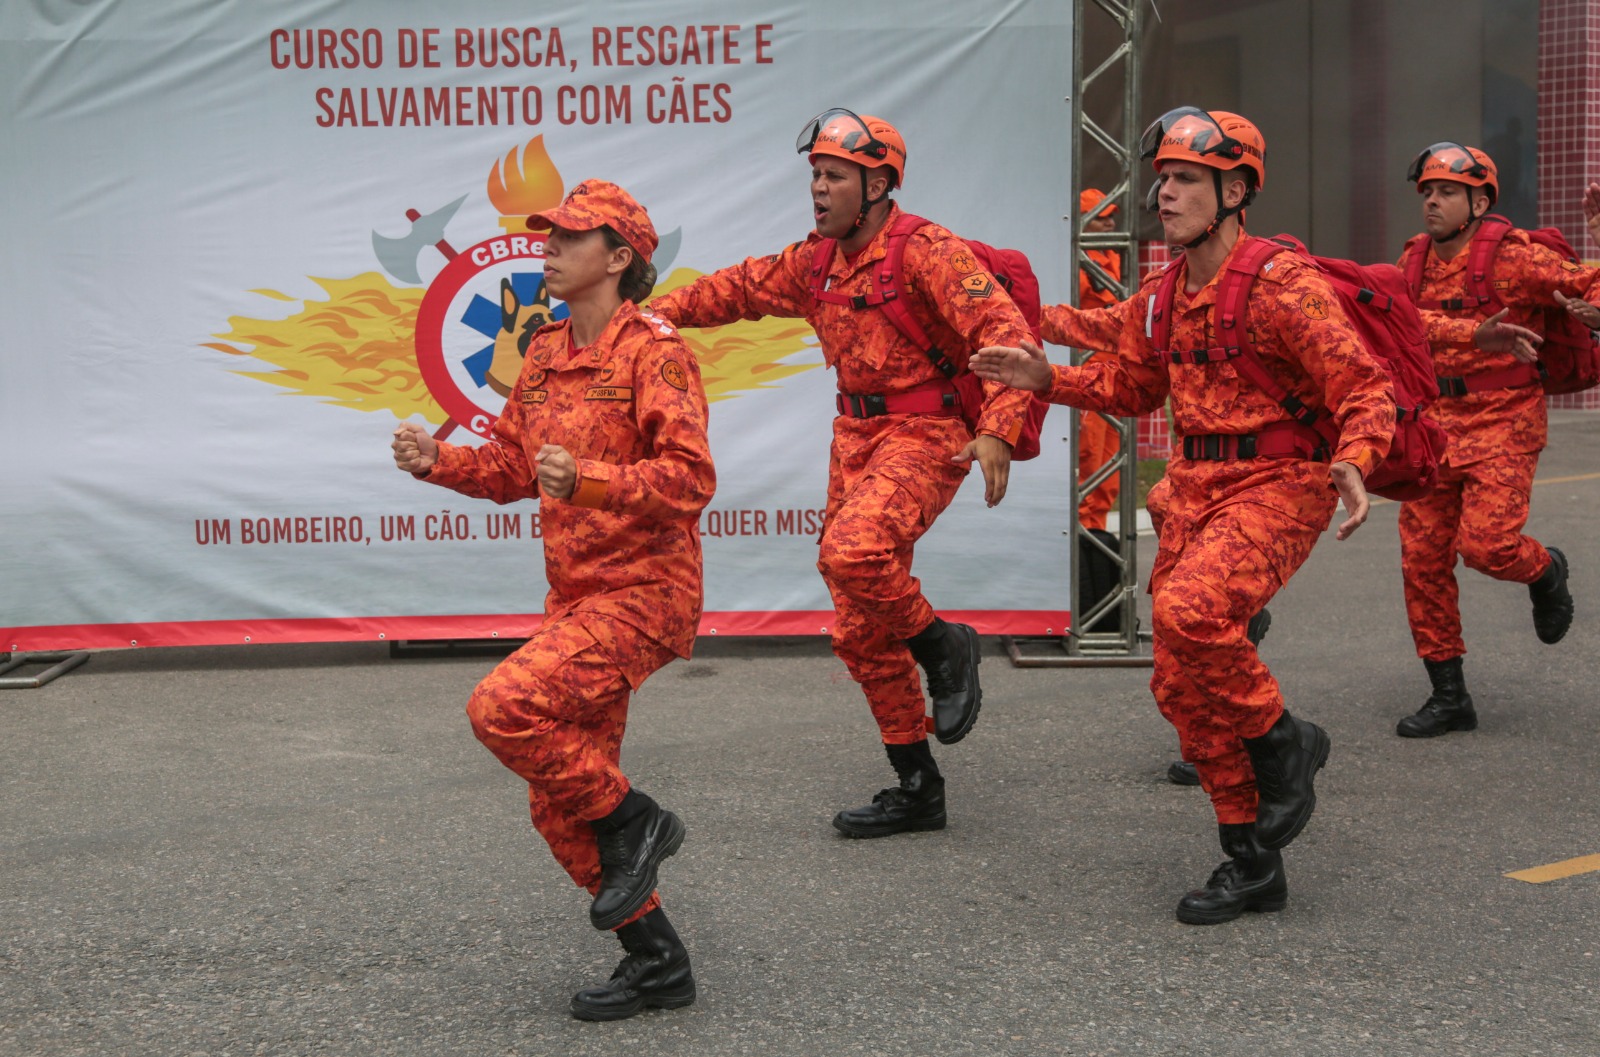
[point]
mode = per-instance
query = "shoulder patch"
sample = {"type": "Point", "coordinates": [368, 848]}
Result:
{"type": "Point", "coordinates": [978, 284]}
{"type": "Point", "coordinates": [963, 261]}
{"type": "Point", "coordinates": [673, 374]}
{"type": "Point", "coordinates": [1314, 306]}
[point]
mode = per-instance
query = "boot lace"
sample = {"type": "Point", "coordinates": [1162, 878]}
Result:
{"type": "Point", "coordinates": [1227, 876]}
{"type": "Point", "coordinates": [631, 965]}
{"type": "Point", "coordinates": [613, 848]}
{"type": "Point", "coordinates": [941, 680]}
{"type": "Point", "coordinates": [892, 797]}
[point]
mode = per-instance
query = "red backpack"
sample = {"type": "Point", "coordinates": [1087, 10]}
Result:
{"type": "Point", "coordinates": [1374, 297]}
{"type": "Point", "coordinates": [1010, 269]}
{"type": "Point", "coordinates": [1569, 359]}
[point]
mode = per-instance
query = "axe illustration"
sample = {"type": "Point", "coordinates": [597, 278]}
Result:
{"type": "Point", "coordinates": [399, 256]}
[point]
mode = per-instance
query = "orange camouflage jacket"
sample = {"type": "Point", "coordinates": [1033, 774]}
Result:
{"type": "Point", "coordinates": [631, 410]}
{"type": "Point", "coordinates": [960, 306]}
{"type": "Point", "coordinates": [1299, 332]}
{"type": "Point", "coordinates": [1090, 295]}
{"type": "Point", "coordinates": [1526, 277]}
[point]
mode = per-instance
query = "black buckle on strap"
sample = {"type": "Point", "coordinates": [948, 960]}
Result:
{"type": "Point", "coordinates": [1452, 386]}
{"type": "Point", "coordinates": [1304, 414]}
{"type": "Point", "coordinates": [862, 405]}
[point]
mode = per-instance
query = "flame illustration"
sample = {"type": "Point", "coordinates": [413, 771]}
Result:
{"type": "Point", "coordinates": [354, 350]}
{"type": "Point", "coordinates": [357, 348]}
{"type": "Point", "coordinates": [518, 191]}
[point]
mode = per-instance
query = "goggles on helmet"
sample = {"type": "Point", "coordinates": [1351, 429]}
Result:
{"type": "Point", "coordinates": [1192, 131]}
{"type": "Point", "coordinates": [856, 140]}
{"type": "Point", "coordinates": [1453, 156]}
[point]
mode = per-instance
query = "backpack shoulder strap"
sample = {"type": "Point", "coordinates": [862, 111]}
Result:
{"type": "Point", "coordinates": [1159, 328]}
{"type": "Point", "coordinates": [889, 293]}
{"type": "Point", "coordinates": [1231, 322]}
{"type": "Point", "coordinates": [1414, 260]}
{"type": "Point", "coordinates": [822, 260]}
{"type": "Point", "coordinates": [1492, 230]}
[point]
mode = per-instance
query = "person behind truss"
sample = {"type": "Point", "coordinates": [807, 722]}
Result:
{"type": "Point", "coordinates": [1098, 439]}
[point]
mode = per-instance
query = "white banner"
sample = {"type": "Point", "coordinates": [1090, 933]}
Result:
{"type": "Point", "coordinates": [247, 239]}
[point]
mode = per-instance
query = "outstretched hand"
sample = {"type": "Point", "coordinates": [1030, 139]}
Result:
{"type": "Point", "coordinates": [1021, 368]}
{"type": "Point", "coordinates": [1580, 310]}
{"type": "Point", "coordinates": [1591, 210]}
{"type": "Point", "coordinates": [1496, 335]}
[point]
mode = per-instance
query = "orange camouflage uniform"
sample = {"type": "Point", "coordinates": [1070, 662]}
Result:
{"type": "Point", "coordinates": [1098, 439]}
{"type": "Point", "coordinates": [890, 476]}
{"type": "Point", "coordinates": [621, 555]}
{"type": "Point", "coordinates": [1232, 532]}
{"type": "Point", "coordinates": [1480, 506]}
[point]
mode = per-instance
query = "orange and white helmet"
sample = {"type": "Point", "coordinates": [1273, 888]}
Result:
{"type": "Point", "coordinates": [1218, 139]}
{"type": "Point", "coordinates": [861, 138]}
{"type": "Point", "coordinates": [1451, 161]}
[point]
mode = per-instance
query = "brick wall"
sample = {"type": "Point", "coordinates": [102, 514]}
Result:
{"type": "Point", "coordinates": [1569, 129]}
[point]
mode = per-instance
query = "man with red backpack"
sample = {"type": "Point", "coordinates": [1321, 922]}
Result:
{"type": "Point", "coordinates": [1487, 291]}
{"type": "Point", "coordinates": [910, 421]}
{"type": "Point", "coordinates": [1255, 485]}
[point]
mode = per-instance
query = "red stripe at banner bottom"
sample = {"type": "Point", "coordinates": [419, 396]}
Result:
{"type": "Point", "coordinates": [513, 627]}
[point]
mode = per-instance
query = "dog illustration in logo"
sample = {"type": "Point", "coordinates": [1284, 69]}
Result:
{"type": "Point", "coordinates": [518, 321]}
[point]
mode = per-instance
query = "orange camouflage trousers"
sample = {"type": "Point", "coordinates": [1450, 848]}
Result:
{"type": "Point", "coordinates": [1478, 512]}
{"type": "Point", "coordinates": [1098, 441]}
{"type": "Point", "coordinates": [884, 493]}
{"type": "Point", "coordinates": [1231, 535]}
{"type": "Point", "coordinates": [554, 712]}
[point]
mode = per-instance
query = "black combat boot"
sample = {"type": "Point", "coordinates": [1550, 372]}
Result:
{"type": "Point", "coordinates": [1251, 880]}
{"type": "Point", "coordinates": [1449, 708]}
{"type": "Point", "coordinates": [1181, 772]}
{"type": "Point", "coordinates": [1258, 627]}
{"type": "Point", "coordinates": [950, 655]}
{"type": "Point", "coordinates": [653, 974]}
{"type": "Point", "coordinates": [1552, 602]}
{"type": "Point", "coordinates": [917, 803]}
{"type": "Point", "coordinates": [1286, 760]}
{"type": "Point", "coordinates": [633, 840]}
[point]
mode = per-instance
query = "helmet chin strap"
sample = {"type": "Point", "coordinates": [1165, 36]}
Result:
{"type": "Point", "coordinates": [866, 203]}
{"type": "Point", "coordinates": [1223, 212]}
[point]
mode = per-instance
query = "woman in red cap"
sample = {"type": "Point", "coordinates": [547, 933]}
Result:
{"type": "Point", "coordinates": [606, 427]}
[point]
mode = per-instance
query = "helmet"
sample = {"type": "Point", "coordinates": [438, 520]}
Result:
{"type": "Point", "coordinates": [1218, 140]}
{"type": "Point", "coordinates": [1090, 197]}
{"type": "Point", "coordinates": [1457, 164]}
{"type": "Point", "coordinates": [861, 138]}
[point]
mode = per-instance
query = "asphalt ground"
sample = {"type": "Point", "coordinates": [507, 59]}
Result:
{"type": "Point", "coordinates": [303, 850]}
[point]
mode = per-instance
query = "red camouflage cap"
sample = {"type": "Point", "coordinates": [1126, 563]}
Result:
{"type": "Point", "coordinates": [596, 203]}
{"type": "Point", "coordinates": [1090, 197]}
